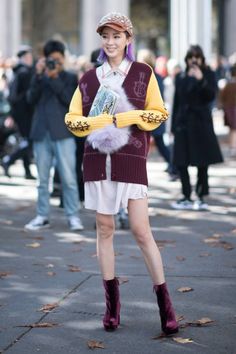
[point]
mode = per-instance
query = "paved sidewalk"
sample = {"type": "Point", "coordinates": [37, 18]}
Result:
{"type": "Point", "coordinates": [59, 267]}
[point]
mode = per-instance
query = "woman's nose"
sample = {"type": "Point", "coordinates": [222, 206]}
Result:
{"type": "Point", "coordinates": [109, 40]}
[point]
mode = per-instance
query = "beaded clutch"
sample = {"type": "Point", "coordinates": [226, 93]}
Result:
{"type": "Point", "coordinates": [105, 101]}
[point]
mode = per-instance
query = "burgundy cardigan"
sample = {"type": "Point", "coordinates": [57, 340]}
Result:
{"type": "Point", "coordinates": [129, 163]}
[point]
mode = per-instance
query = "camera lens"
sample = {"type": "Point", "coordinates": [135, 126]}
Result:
{"type": "Point", "coordinates": [50, 63]}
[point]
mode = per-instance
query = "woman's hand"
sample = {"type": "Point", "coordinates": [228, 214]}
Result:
{"type": "Point", "coordinates": [196, 72]}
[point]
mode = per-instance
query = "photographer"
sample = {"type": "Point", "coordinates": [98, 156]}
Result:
{"type": "Point", "coordinates": [195, 143]}
{"type": "Point", "coordinates": [50, 92]}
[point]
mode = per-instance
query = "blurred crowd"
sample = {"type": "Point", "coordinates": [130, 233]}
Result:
{"type": "Point", "coordinates": [20, 89]}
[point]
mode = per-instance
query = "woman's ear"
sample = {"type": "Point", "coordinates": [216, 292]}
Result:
{"type": "Point", "coordinates": [129, 40]}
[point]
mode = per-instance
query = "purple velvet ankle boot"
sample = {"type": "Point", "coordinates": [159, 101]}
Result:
{"type": "Point", "coordinates": [169, 324]}
{"type": "Point", "coordinates": [111, 319]}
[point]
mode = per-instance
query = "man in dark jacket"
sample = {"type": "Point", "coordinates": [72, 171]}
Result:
{"type": "Point", "coordinates": [50, 92]}
{"type": "Point", "coordinates": [195, 142]}
{"type": "Point", "coordinates": [21, 110]}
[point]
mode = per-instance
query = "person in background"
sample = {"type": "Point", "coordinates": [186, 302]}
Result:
{"type": "Point", "coordinates": [148, 57]}
{"type": "Point", "coordinates": [114, 164]}
{"type": "Point", "coordinates": [161, 66]}
{"type": "Point", "coordinates": [21, 111]}
{"type": "Point", "coordinates": [195, 142]}
{"type": "Point", "coordinates": [227, 99]}
{"type": "Point", "coordinates": [50, 92]}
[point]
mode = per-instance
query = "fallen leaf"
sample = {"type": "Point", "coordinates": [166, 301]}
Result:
{"type": "Point", "coordinates": [50, 265]}
{"type": "Point", "coordinates": [39, 264]}
{"type": "Point", "coordinates": [73, 268]}
{"type": "Point", "coordinates": [211, 240]}
{"type": "Point", "coordinates": [182, 340]}
{"type": "Point", "coordinates": [232, 190]}
{"type": "Point", "coordinates": [37, 237]}
{"type": "Point", "coordinates": [216, 242]}
{"type": "Point", "coordinates": [163, 243]}
{"type": "Point", "coordinates": [180, 258]}
{"type": "Point", "coordinates": [122, 280]}
{"type": "Point", "coordinates": [185, 289]}
{"type": "Point", "coordinates": [179, 318]}
{"type": "Point", "coordinates": [4, 274]}
{"type": "Point", "coordinates": [94, 344]}
{"type": "Point", "coordinates": [227, 246]}
{"type": "Point", "coordinates": [33, 245]}
{"type": "Point", "coordinates": [204, 254]}
{"type": "Point", "coordinates": [77, 250]}
{"type": "Point", "coordinates": [51, 274]}
{"type": "Point", "coordinates": [160, 336]}
{"type": "Point", "coordinates": [40, 325]}
{"type": "Point", "coordinates": [6, 222]}
{"type": "Point", "coordinates": [203, 321]}
{"type": "Point", "coordinates": [118, 254]}
{"type": "Point", "coordinates": [49, 307]}
{"type": "Point", "coordinates": [136, 257]}
{"type": "Point", "coordinates": [217, 235]}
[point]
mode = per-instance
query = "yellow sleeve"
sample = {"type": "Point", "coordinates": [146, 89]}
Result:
{"type": "Point", "coordinates": [152, 116]}
{"type": "Point", "coordinates": [80, 125]}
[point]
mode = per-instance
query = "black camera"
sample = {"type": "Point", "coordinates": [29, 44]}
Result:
{"type": "Point", "coordinates": [50, 63]}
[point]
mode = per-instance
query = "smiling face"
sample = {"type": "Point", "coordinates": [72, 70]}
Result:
{"type": "Point", "coordinates": [114, 43]}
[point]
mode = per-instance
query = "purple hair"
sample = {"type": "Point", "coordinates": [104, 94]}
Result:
{"type": "Point", "coordinates": [129, 54]}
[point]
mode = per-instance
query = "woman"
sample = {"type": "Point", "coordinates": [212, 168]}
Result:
{"type": "Point", "coordinates": [115, 158]}
{"type": "Point", "coordinates": [195, 142]}
{"type": "Point", "coordinates": [228, 102]}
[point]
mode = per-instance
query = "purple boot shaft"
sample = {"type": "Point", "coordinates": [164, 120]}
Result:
{"type": "Point", "coordinates": [168, 321]}
{"type": "Point", "coordinates": [111, 319]}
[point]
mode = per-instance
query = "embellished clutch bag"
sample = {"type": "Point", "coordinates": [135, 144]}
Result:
{"type": "Point", "coordinates": [105, 101]}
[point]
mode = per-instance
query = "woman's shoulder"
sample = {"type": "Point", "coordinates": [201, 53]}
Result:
{"type": "Point", "coordinates": [142, 66]}
{"type": "Point", "coordinates": [88, 74]}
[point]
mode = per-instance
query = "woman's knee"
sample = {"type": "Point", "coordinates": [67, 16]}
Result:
{"type": "Point", "coordinates": [143, 236]}
{"type": "Point", "coordinates": [105, 226]}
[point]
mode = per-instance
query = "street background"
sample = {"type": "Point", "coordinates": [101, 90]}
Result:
{"type": "Point", "coordinates": [59, 268]}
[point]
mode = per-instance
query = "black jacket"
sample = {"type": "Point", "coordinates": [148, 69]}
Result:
{"type": "Point", "coordinates": [21, 110]}
{"type": "Point", "coordinates": [195, 142]}
{"type": "Point", "coordinates": [51, 99]}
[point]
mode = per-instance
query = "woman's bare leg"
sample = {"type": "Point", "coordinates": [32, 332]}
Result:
{"type": "Point", "coordinates": [105, 249]}
{"type": "Point", "coordinates": [139, 223]}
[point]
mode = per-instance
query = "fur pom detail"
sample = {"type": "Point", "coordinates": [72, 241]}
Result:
{"type": "Point", "coordinates": [110, 139]}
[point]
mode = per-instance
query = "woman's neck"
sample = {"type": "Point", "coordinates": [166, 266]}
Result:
{"type": "Point", "coordinates": [115, 62]}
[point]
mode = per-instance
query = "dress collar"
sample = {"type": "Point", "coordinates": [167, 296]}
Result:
{"type": "Point", "coordinates": [122, 70]}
